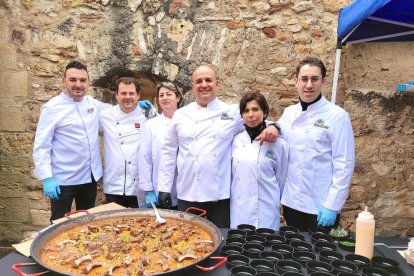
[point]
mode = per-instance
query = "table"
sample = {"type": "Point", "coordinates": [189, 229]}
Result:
{"type": "Point", "coordinates": [379, 250]}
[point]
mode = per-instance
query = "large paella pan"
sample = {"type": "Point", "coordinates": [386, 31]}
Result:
{"type": "Point", "coordinates": [126, 242]}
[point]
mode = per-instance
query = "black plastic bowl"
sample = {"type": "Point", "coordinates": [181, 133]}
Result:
{"type": "Point", "coordinates": [267, 274]}
{"type": "Point", "coordinates": [248, 228]}
{"type": "Point", "coordinates": [243, 271]}
{"type": "Point", "coordinates": [235, 241]}
{"type": "Point", "coordinates": [318, 266]}
{"type": "Point", "coordinates": [284, 249]}
{"type": "Point", "coordinates": [256, 239]}
{"type": "Point", "coordinates": [321, 274]}
{"type": "Point", "coordinates": [275, 239]}
{"type": "Point", "coordinates": [264, 232]}
{"type": "Point", "coordinates": [348, 274]}
{"type": "Point", "coordinates": [318, 237]}
{"type": "Point", "coordinates": [329, 256]}
{"type": "Point", "coordinates": [231, 250]}
{"type": "Point", "coordinates": [291, 273]}
{"type": "Point", "coordinates": [303, 257]}
{"type": "Point", "coordinates": [384, 263]}
{"type": "Point", "coordinates": [301, 246]}
{"type": "Point", "coordinates": [319, 246]}
{"type": "Point", "coordinates": [288, 266]}
{"type": "Point", "coordinates": [288, 229]}
{"type": "Point", "coordinates": [344, 246]}
{"type": "Point", "coordinates": [320, 230]}
{"type": "Point", "coordinates": [262, 265]}
{"type": "Point", "coordinates": [271, 256]}
{"type": "Point", "coordinates": [236, 233]}
{"type": "Point", "coordinates": [358, 260]}
{"type": "Point", "coordinates": [237, 260]}
{"type": "Point", "coordinates": [292, 237]}
{"type": "Point", "coordinates": [344, 266]}
{"type": "Point", "coordinates": [374, 271]}
{"type": "Point", "coordinates": [252, 250]}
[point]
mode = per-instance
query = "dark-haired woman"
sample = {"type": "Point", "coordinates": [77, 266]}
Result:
{"type": "Point", "coordinates": [258, 171]}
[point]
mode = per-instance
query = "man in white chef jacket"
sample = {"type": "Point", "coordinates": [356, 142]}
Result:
{"type": "Point", "coordinates": [198, 144]}
{"type": "Point", "coordinates": [66, 148]}
{"type": "Point", "coordinates": [322, 152]}
{"type": "Point", "coordinates": [121, 128]}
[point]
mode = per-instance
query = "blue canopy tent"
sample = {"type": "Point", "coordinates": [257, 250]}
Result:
{"type": "Point", "coordinates": [373, 20]}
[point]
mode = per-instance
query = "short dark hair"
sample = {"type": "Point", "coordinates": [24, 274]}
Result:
{"type": "Point", "coordinates": [128, 80]}
{"type": "Point", "coordinates": [77, 65]}
{"type": "Point", "coordinates": [254, 96]}
{"type": "Point", "coordinates": [172, 87]}
{"type": "Point", "coordinates": [312, 61]}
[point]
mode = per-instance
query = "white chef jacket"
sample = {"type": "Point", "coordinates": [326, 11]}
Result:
{"type": "Point", "coordinates": [121, 137]}
{"type": "Point", "coordinates": [321, 157]}
{"type": "Point", "coordinates": [67, 142]}
{"type": "Point", "coordinates": [258, 177]}
{"type": "Point", "coordinates": [152, 140]}
{"type": "Point", "coordinates": [202, 136]}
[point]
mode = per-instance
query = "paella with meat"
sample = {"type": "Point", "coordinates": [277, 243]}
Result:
{"type": "Point", "coordinates": [127, 246]}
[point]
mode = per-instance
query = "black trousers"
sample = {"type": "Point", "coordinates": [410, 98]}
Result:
{"type": "Point", "coordinates": [218, 212]}
{"type": "Point", "coordinates": [123, 200]}
{"type": "Point", "coordinates": [84, 195]}
{"type": "Point", "coordinates": [304, 221]}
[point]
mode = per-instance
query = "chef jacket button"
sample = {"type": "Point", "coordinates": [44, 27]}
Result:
{"type": "Point", "coordinates": [198, 175]}
{"type": "Point", "coordinates": [117, 123]}
{"type": "Point", "coordinates": [120, 134]}
{"type": "Point", "coordinates": [134, 179]}
{"type": "Point", "coordinates": [122, 143]}
{"type": "Point", "coordinates": [129, 162]}
{"type": "Point", "coordinates": [214, 136]}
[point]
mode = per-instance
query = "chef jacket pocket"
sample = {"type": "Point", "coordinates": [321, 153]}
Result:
{"type": "Point", "coordinates": [318, 137]}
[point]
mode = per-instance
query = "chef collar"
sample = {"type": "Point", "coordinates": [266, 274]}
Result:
{"type": "Point", "coordinates": [305, 105]}
{"type": "Point", "coordinates": [255, 131]}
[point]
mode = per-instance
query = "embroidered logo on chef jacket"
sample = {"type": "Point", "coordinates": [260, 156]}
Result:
{"type": "Point", "coordinates": [137, 125]}
{"type": "Point", "coordinates": [225, 116]}
{"type": "Point", "coordinates": [320, 123]}
{"type": "Point", "coordinates": [270, 154]}
{"type": "Point", "coordinates": [90, 110]}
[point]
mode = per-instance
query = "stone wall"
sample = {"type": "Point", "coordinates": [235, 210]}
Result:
{"type": "Point", "coordinates": [253, 44]}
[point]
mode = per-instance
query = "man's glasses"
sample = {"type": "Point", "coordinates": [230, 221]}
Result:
{"type": "Point", "coordinates": [314, 80]}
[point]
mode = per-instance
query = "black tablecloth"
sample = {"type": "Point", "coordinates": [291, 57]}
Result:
{"type": "Point", "coordinates": [379, 250]}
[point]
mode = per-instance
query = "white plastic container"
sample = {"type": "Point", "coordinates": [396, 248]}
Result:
{"type": "Point", "coordinates": [365, 232]}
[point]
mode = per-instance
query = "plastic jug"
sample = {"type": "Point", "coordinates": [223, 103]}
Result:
{"type": "Point", "coordinates": [365, 232]}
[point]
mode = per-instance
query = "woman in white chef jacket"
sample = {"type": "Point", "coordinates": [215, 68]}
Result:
{"type": "Point", "coordinates": [169, 97]}
{"type": "Point", "coordinates": [258, 171]}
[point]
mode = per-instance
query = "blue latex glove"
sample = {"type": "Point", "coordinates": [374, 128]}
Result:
{"type": "Point", "coordinates": [51, 188]}
{"type": "Point", "coordinates": [150, 196]}
{"type": "Point", "coordinates": [326, 217]}
{"type": "Point", "coordinates": [145, 104]}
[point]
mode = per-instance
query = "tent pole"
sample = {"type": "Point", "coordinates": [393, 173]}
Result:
{"type": "Point", "coordinates": [336, 71]}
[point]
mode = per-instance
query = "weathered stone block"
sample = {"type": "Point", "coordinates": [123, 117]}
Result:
{"type": "Point", "coordinates": [13, 84]}
{"type": "Point", "coordinates": [14, 210]}
{"type": "Point", "coordinates": [12, 119]}
{"type": "Point", "coordinates": [14, 164]}
{"type": "Point", "coordinates": [11, 232]}
{"type": "Point", "coordinates": [16, 143]}
{"type": "Point", "coordinates": [12, 185]}
{"type": "Point", "coordinates": [334, 5]}
{"type": "Point", "coordinates": [4, 35]}
{"type": "Point", "coordinates": [8, 56]}
{"type": "Point", "coordinates": [40, 217]}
